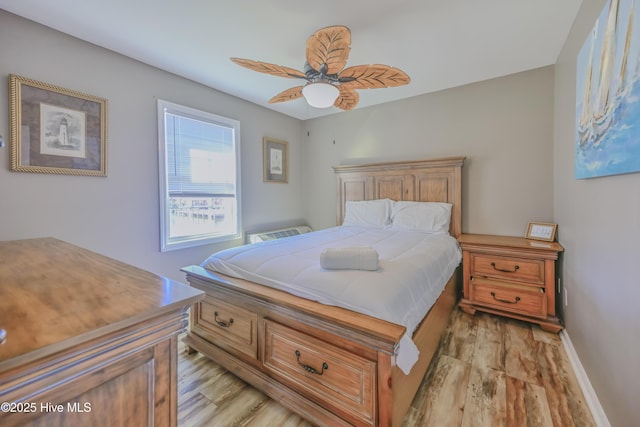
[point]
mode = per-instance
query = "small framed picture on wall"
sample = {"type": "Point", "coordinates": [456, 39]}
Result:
{"type": "Point", "coordinates": [276, 160]}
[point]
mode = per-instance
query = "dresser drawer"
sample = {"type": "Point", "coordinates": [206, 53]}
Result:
{"type": "Point", "coordinates": [529, 271]}
{"type": "Point", "coordinates": [511, 297]}
{"type": "Point", "coordinates": [226, 325]}
{"type": "Point", "coordinates": [339, 379]}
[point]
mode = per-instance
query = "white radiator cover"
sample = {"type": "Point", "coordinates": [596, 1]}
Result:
{"type": "Point", "coordinates": [277, 234]}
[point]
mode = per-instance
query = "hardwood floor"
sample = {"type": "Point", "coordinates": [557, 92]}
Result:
{"type": "Point", "coordinates": [489, 371]}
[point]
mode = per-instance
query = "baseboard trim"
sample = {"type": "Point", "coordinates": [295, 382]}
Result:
{"type": "Point", "coordinates": [590, 396]}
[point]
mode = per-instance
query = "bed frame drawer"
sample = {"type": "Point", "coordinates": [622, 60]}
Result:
{"type": "Point", "coordinates": [226, 324]}
{"type": "Point", "coordinates": [339, 379]}
{"type": "Point", "coordinates": [528, 271]}
{"type": "Point", "coordinates": [512, 297]}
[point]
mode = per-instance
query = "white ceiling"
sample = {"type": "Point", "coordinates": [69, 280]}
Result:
{"type": "Point", "coordinates": [439, 43]}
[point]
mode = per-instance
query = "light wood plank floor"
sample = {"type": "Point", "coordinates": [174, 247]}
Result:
{"type": "Point", "coordinates": [489, 371]}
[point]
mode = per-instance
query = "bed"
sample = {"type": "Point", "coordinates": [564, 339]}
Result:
{"type": "Point", "coordinates": [329, 363]}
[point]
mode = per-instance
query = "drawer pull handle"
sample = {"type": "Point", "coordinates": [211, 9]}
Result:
{"type": "Point", "coordinates": [222, 323]}
{"type": "Point", "coordinates": [515, 268]}
{"type": "Point", "coordinates": [493, 294]}
{"type": "Point", "coordinates": [309, 368]}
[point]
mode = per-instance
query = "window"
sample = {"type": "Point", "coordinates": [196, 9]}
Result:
{"type": "Point", "coordinates": [199, 177]}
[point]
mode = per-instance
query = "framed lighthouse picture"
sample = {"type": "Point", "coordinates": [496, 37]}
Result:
{"type": "Point", "coordinates": [56, 130]}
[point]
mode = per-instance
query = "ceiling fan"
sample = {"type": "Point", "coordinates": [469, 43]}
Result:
{"type": "Point", "coordinates": [328, 82]}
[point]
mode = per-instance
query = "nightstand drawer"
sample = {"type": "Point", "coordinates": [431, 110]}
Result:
{"type": "Point", "coordinates": [512, 297]}
{"type": "Point", "coordinates": [530, 271]}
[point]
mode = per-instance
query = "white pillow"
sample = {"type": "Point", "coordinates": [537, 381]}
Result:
{"type": "Point", "coordinates": [429, 217]}
{"type": "Point", "coordinates": [368, 213]}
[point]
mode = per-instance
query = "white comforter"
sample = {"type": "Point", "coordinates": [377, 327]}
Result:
{"type": "Point", "coordinates": [413, 270]}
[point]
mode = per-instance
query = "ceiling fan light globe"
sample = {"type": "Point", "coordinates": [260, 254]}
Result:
{"type": "Point", "coordinates": [320, 94]}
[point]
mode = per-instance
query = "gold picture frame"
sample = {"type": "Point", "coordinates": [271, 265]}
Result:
{"type": "Point", "coordinates": [541, 231]}
{"type": "Point", "coordinates": [56, 130]}
{"type": "Point", "coordinates": [276, 160]}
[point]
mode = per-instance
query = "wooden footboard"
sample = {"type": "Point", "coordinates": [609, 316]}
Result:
{"type": "Point", "coordinates": [330, 365]}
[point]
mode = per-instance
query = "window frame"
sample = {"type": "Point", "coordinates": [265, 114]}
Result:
{"type": "Point", "coordinates": [166, 243]}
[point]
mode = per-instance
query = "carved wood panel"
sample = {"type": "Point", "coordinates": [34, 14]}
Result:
{"type": "Point", "coordinates": [394, 187]}
{"type": "Point", "coordinates": [432, 188]}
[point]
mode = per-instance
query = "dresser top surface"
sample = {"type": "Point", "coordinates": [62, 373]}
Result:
{"type": "Point", "coordinates": [54, 295]}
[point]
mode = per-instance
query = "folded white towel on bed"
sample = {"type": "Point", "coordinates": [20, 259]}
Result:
{"type": "Point", "coordinates": [352, 258]}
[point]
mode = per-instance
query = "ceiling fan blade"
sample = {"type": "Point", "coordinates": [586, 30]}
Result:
{"type": "Point", "coordinates": [273, 69]}
{"type": "Point", "coordinates": [287, 95]}
{"type": "Point", "coordinates": [348, 98]}
{"type": "Point", "coordinates": [373, 77]}
{"type": "Point", "coordinates": [329, 48]}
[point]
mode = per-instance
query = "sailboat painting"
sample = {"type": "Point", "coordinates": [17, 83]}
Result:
{"type": "Point", "coordinates": [608, 94]}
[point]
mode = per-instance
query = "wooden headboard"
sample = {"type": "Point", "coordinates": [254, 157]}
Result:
{"type": "Point", "coordinates": [438, 180]}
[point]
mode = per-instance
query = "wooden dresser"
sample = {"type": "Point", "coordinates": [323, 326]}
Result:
{"type": "Point", "coordinates": [89, 340]}
{"type": "Point", "coordinates": [511, 276]}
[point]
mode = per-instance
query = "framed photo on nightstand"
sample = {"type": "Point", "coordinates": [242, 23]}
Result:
{"type": "Point", "coordinates": [541, 231]}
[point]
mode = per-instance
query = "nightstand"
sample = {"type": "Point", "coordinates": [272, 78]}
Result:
{"type": "Point", "coordinates": [510, 276]}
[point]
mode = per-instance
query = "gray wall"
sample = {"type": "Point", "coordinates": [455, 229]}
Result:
{"type": "Point", "coordinates": [118, 215]}
{"type": "Point", "coordinates": [503, 126]}
{"type": "Point", "coordinates": [599, 226]}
